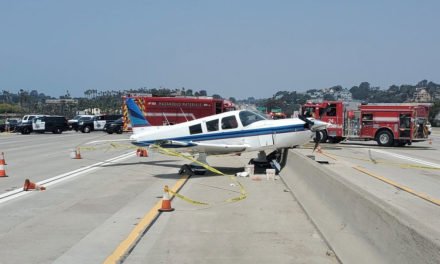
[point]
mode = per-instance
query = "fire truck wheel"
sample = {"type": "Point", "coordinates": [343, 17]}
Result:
{"type": "Point", "coordinates": [385, 138]}
{"type": "Point", "coordinates": [324, 136]}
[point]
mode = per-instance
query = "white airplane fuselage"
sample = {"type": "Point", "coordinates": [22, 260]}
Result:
{"type": "Point", "coordinates": [259, 135]}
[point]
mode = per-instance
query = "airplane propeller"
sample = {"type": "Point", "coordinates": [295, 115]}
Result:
{"type": "Point", "coordinates": [308, 124]}
{"type": "Point", "coordinates": [317, 140]}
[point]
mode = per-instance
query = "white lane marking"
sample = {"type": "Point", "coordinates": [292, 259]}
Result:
{"type": "Point", "coordinates": [431, 164]}
{"type": "Point", "coordinates": [107, 140]}
{"type": "Point", "coordinates": [62, 177]}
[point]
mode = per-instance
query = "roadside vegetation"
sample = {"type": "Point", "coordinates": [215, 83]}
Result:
{"type": "Point", "coordinates": [25, 102]}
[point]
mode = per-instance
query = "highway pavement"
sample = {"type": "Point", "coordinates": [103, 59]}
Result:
{"type": "Point", "coordinates": [103, 208]}
{"type": "Point", "coordinates": [93, 207]}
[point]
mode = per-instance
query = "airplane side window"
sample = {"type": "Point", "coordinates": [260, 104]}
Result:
{"type": "Point", "coordinates": [248, 117]}
{"type": "Point", "coordinates": [229, 122]}
{"type": "Point", "coordinates": [212, 125]}
{"type": "Point", "coordinates": [195, 129]}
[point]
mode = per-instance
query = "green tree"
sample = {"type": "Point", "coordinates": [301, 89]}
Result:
{"type": "Point", "coordinates": [360, 92]}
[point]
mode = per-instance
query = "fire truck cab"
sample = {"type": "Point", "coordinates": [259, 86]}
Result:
{"type": "Point", "coordinates": [388, 124]}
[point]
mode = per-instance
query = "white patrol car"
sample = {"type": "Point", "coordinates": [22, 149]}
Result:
{"type": "Point", "coordinates": [88, 124]}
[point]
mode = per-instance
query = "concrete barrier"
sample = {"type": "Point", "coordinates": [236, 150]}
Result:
{"type": "Point", "coordinates": [359, 227]}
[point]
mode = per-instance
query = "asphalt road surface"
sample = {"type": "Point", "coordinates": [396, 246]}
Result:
{"type": "Point", "coordinates": [93, 205]}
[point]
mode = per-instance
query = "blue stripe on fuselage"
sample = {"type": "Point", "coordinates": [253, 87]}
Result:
{"type": "Point", "coordinates": [229, 134]}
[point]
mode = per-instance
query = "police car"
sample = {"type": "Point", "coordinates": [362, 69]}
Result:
{"type": "Point", "coordinates": [54, 124]}
{"type": "Point", "coordinates": [88, 124]}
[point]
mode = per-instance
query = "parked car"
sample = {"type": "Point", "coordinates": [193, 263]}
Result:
{"type": "Point", "coordinates": [25, 125]}
{"type": "Point", "coordinates": [54, 124]}
{"type": "Point", "coordinates": [114, 127]}
{"type": "Point", "coordinates": [86, 125]}
{"type": "Point", "coordinates": [73, 123]}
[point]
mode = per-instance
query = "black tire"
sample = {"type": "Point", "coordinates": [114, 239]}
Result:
{"type": "Point", "coordinates": [109, 131]}
{"type": "Point", "coordinates": [200, 172]}
{"type": "Point", "coordinates": [86, 129]}
{"type": "Point", "coordinates": [57, 131]}
{"type": "Point", "coordinates": [385, 138]}
{"type": "Point", "coordinates": [119, 130]}
{"type": "Point", "coordinates": [26, 131]}
{"type": "Point", "coordinates": [323, 135]}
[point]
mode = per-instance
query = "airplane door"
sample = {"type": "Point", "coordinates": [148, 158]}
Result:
{"type": "Point", "coordinates": [266, 140]}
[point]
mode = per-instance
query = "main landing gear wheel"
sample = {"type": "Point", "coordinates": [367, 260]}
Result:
{"type": "Point", "coordinates": [275, 160]}
{"type": "Point", "coordinates": [192, 170]}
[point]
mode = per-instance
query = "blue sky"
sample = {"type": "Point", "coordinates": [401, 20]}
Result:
{"type": "Point", "coordinates": [230, 47]}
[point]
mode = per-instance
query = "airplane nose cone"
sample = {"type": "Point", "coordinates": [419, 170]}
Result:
{"type": "Point", "coordinates": [133, 137]}
{"type": "Point", "coordinates": [319, 125]}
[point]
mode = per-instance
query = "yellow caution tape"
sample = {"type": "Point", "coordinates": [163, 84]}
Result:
{"type": "Point", "coordinates": [168, 152]}
{"type": "Point", "coordinates": [7, 133]}
{"type": "Point", "coordinates": [186, 198]}
{"type": "Point", "coordinates": [107, 146]}
{"type": "Point", "coordinates": [243, 193]}
{"type": "Point", "coordinates": [399, 186]}
{"type": "Point", "coordinates": [401, 165]}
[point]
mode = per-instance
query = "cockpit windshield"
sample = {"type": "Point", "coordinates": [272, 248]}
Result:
{"type": "Point", "coordinates": [249, 117]}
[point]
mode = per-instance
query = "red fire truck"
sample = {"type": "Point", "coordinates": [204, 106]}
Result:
{"type": "Point", "coordinates": [172, 110]}
{"type": "Point", "coordinates": [388, 124]}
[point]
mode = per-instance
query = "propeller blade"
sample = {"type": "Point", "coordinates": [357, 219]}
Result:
{"type": "Point", "coordinates": [317, 140]}
{"type": "Point", "coordinates": [308, 122]}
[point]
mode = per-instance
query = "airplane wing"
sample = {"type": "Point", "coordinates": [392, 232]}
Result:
{"type": "Point", "coordinates": [209, 149]}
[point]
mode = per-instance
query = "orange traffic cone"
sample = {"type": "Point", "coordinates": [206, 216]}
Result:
{"type": "Point", "coordinates": [2, 159]}
{"type": "Point", "coordinates": [2, 171]}
{"type": "Point", "coordinates": [28, 185]}
{"type": "Point", "coordinates": [144, 153]}
{"type": "Point", "coordinates": [140, 152]}
{"type": "Point", "coordinates": [166, 202]}
{"type": "Point", "coordinates": [78, 154]}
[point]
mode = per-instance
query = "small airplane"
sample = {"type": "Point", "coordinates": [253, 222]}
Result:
{"type": "Point", "coordinates": [232, 132]}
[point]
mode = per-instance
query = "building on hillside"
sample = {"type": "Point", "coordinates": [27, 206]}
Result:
{"type": "Point", "coordinates": [436, 95]}
{"type": "Point", "coordinates": [421, 95]}
{"type": "Point", "coordinates": [344, 95]}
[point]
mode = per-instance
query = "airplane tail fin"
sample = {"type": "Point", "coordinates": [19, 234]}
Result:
{"type": "Point", "coordinates": [137, 118]}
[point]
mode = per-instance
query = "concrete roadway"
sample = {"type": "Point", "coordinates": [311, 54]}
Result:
{"type": "Point", "coordinates": [407, 178]}
{"type": "Point", "coordinates": [87, 212]}
{"type": "Point", "coordinates": [416, 166]}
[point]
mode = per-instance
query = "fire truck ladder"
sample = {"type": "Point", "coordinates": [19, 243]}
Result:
{"type": "Point", "coordinates": [166, 119]}
{"type": "Point", "coordinates": [184, 115]}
